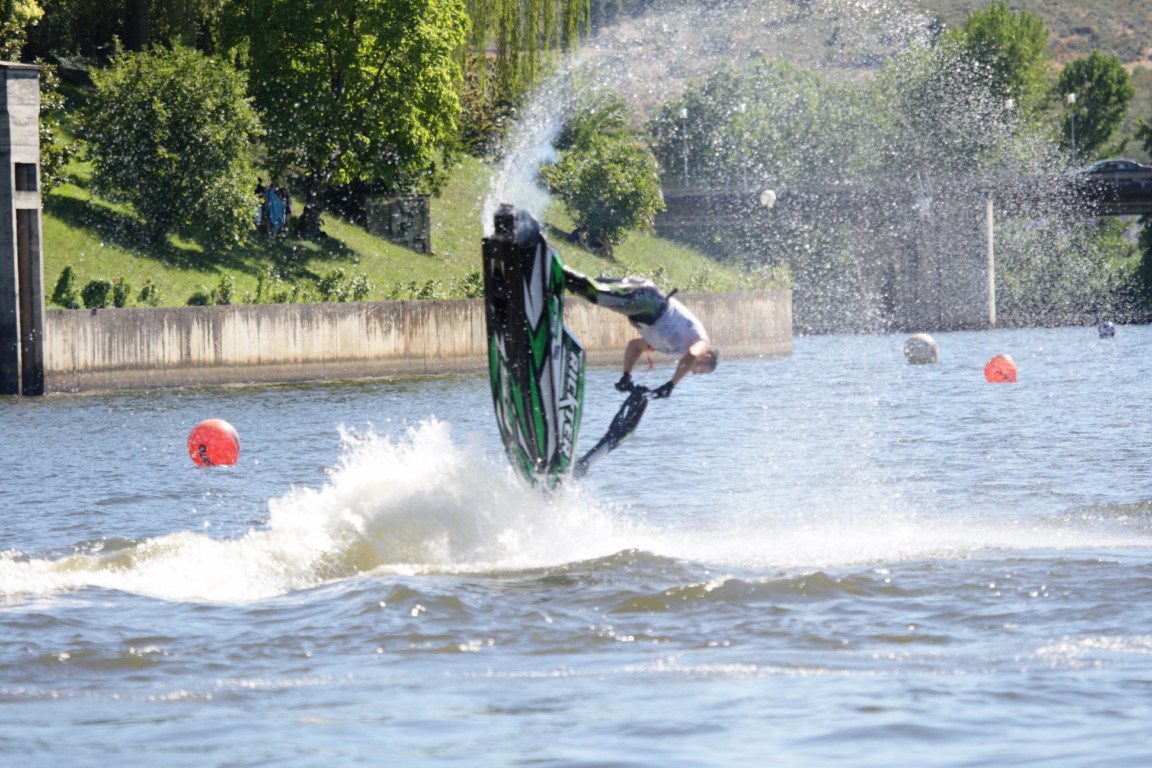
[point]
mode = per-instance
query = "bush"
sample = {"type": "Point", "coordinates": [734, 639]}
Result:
{"type": "Point", "coordinates": [471, 286]}
{"type": "Point", "coordinates": [65, 294]}
{"type": "Point", "coordinates": [271, 288]}
{"type": "Point", "coordinates": [609, 186]}
{"type": "Point", "coordinates": [337, 286]}
{"type": "Point", "coordinates": [96, 294]}
{"type": "Point", "coordinates": [149, 295]}
{"type": "Point", "coordinates": [333, 286]}
{"type": "Point", "coordinates": [361, 287]}
{"type": "Point", "coordinates": [121, 290]}
{"type": "Point", "coordinates": [170, 131]}
{"type": "Point", "coordinates": [224, 290]}
{"type": "Point", "coordinates": [202, 298]}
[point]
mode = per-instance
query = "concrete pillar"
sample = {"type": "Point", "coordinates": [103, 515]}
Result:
{"type": "Point", "coordinates": [21, 251]}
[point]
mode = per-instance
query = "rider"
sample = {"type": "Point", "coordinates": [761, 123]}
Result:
{"type": "Point", "coordinates": [665, 325]}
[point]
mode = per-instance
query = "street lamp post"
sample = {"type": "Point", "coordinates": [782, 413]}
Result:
{"type": "Point", "coordinates": [743, 147]}
{"type": "Point", "coordinates": [684, 136]}
{"type": "Point", "coordinates": [1071, 99]}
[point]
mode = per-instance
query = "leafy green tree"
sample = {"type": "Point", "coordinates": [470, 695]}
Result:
{"type": "Point", "coordinates": [521, 29]}
{"type": "Point", "coordinates": [603, 115]}
{"type": "Point", "coordinates": [1144, 240]}
{"type": "Point", "coordinates": [1084, 266]}
{"type": "Point", "coordinates": [17, 16]}
{"type": "Point", "coordinates": [166, 22]}
{"type": "Point", "coordinates": [171, 132]}
{"type": "Point", "coordinates": [610, 184]}
{"type": "Point", "coordinates": [90, 28]}
{"type": "Point", "coordinates": [1103, 89]}
{"type": "Point", "coordinates": [354, 90]}
{"type": "Point", "coordinates": [938, 115]}
{"type": "Point", "coordinates": [55, 151]}
{"type": "Point", "coordinates": [729, 130]}
{"type": "Point", "coordinates": [1014, 48]}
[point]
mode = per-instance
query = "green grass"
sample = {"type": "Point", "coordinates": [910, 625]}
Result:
{"type": "Point", "coordinates": [101, 240]}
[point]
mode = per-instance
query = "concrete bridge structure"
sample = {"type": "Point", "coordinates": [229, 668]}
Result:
{"type": "Point", "coordinates": [924, 257]}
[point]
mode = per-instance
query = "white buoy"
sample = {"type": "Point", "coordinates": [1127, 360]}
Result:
{"type": "Point", "coordinates": [920, 349]}
{"type": "Point", "coordinates": [767, 198]}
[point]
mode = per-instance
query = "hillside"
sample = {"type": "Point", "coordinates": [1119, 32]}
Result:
{"type": "Point", "coordinates": [1120, 27]}
{"type": "Point", "coordinates": [101, 241]}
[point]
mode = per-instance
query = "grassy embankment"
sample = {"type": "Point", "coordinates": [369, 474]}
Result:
{"type": "Point", "coordinates": [101, 240]}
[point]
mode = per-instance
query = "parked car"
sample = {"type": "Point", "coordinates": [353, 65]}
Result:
{"type": "Point", "coordinates": [1119, 172]}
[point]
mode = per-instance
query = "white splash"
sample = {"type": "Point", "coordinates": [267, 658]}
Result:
{"type": "Point", "coordinates": [530, 145]}
{"type": "Point", "coordinates": [417, 504]}
{"type": "Point", "coordinates": [422, 503]}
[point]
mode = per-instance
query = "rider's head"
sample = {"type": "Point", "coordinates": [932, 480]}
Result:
{"type": "Point", "coordinates": [708, 363]}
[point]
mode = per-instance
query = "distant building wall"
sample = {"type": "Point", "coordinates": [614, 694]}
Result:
{"type": "Point", "coordinates": [106, 349]}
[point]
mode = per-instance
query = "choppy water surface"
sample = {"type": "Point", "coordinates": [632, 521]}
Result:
{"type": "Point", "coordinates": [833, 558]}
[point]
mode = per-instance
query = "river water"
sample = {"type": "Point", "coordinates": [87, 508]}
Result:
{"type": "Point", "coordinates": [831, 558]}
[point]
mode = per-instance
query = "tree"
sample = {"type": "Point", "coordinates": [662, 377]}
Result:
{"type": "Point", "coordinates": [55, 153]}
{"type": "Point", "coordinates": [939, 115]}
{"type": "Point", "coordinates": [354, 90]}
{"type": "Point", "coordinates": [1103, 89]}
{"type": "Point", "coordinates": [1014, 48]}
{"type": "Point", "coordinates": [610, 184]}
{"type": "Point", "coordinates": [17, 16]}
{"type": "Point", "coordinates": [90, 28]}
{"type": "Point", "coordinates": [170, 132]}
{"type": "Point", "coordinates": [1144, 136]}
{"type": "Point", "coordinates": [730, 130]}
{"type": "Point", "coordinates": [520, 30]}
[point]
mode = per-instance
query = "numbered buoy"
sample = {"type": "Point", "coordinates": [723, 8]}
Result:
{"type": "Point", "coordinates": [214, 442]}
{"type": "Point", "coordinates": [1001, 369]}
{"type": "Point", "coordinates": [921, 349]}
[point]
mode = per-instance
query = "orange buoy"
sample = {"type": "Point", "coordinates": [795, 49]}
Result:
{"type": "Point", "coordinates": [214, 442]}
{"type": "Point", "coordinates": [1001, 369]}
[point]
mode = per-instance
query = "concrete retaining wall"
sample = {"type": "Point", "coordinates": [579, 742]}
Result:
{"type": "Point", "coordinates": [106, 349]}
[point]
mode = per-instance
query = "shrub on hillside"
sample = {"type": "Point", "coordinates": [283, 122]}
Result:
{"type": "Point", "coordinates": [65, 294]}
{"type": "Point", "coordinates": [121, 290]}
{"type": "Point", "coordinates": [221, 295]}
{"type": "Point", "coordinates": [337, 286]}
{"type": "Point", "coordinates": [150, 294]}
{"type": "Point", "coordinates": [170, 131]}
{"type": "Point", "coordinates": [96, 293]}
{"type": "Point", "coordinates": [609, 185]}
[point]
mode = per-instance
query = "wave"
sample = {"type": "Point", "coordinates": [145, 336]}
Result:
{"type": "Point", "coordinates": [421, 503]}
{"type": "Point", "coordinates": [415, 504]}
